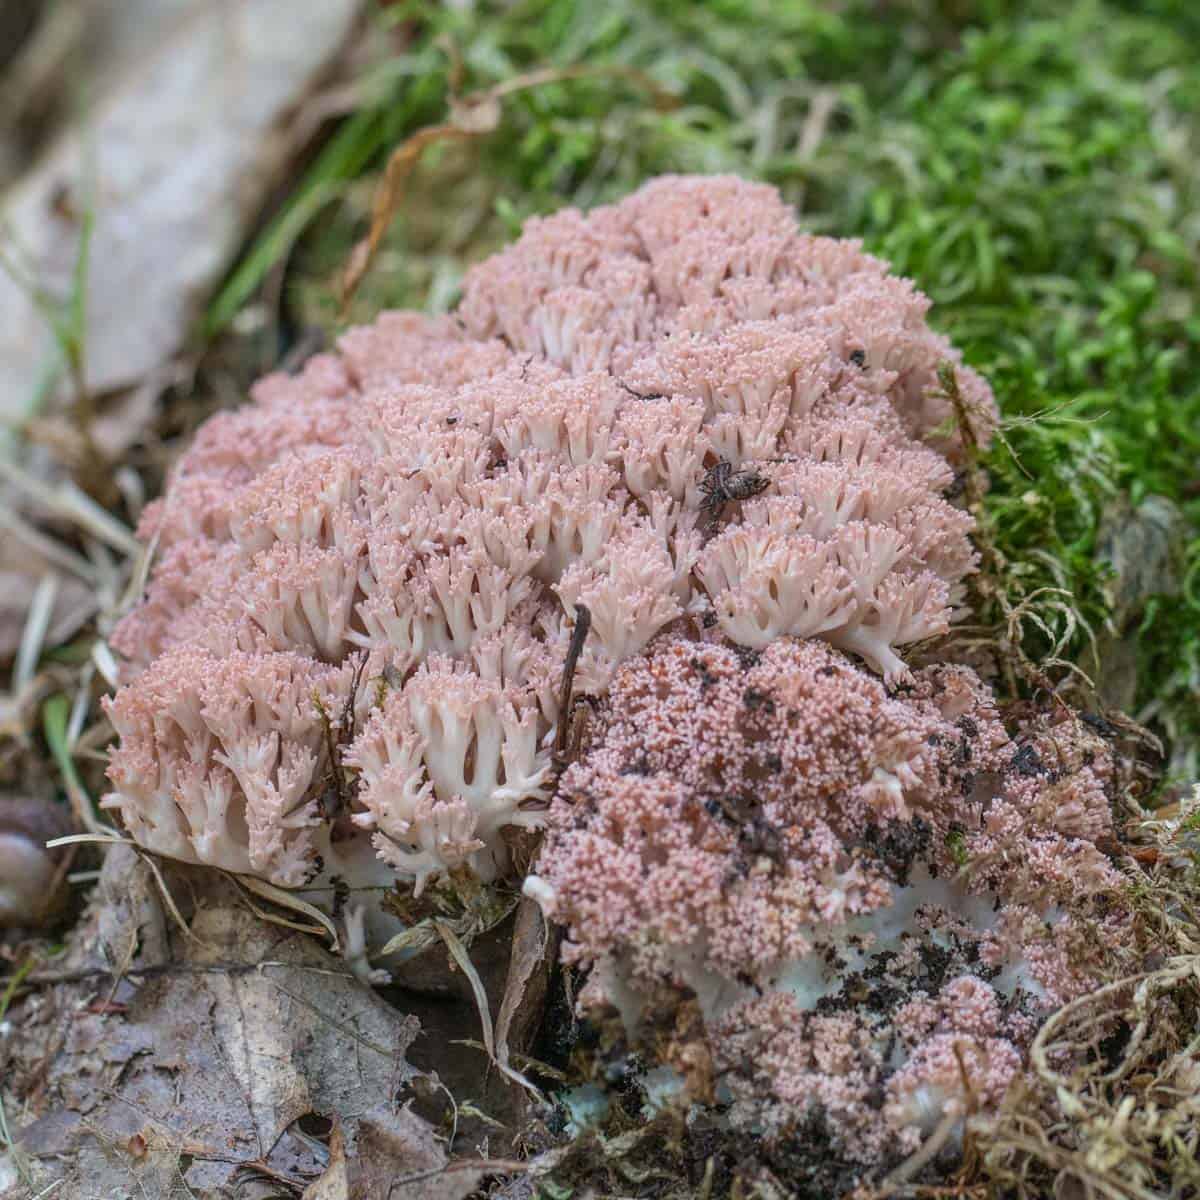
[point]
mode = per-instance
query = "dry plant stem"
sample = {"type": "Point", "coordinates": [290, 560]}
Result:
{"type": "Point", "coordinates": [1167, 977]}
{"type": "Point", "coordinates": [40, 979]}
{"type": "Point", "coordinates": [1131, 1109]}
{"type": "Point", "coordinates": [924, 1155]}
{"type": "Point", "coordinates": [388, 198]}
{"type": "Point", "coordinates": [471, 116]}
{"type": "Point", "coordinates": [94, 468]}
{"type": "Point", "coordinates": [583, 623]}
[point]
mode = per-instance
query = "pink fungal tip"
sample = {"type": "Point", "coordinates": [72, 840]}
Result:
{"type": "Point", "coordinates": [868, 894]}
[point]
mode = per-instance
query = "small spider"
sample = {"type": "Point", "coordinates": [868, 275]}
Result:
{"type": "Point", "coordinates": [721, 484]}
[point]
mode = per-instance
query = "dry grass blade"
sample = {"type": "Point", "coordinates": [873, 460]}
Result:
{"type": "Point", "coordinates": [140, 574]}
{"type": "Point", "coordinates": [471, 116]}
{"type": "Point", "coordinates": [107, 839]}
{"type": "Point", "coordinates": [49, 548]}
{"type": "Point", "coordinates": [106, 663]}
{"type": "Point", "coordinates": [459, 953]}
{"type": "Point", "coordinates": [258, 886]}
{"type": "Point", "coordinates": [169, 900]}
{"type": "Point", "coordinates": [70, 503]}
{"type": "Point", "coordinates": [284, 899]}
{"type": "Point", "coordinates": [33, 637]}
{"type": "Point", "coordinates": [98, 839]}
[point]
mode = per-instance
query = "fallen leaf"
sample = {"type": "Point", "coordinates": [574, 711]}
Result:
{"type": "Point", "coordinates": [534, 947]}
{"type": "Point", "coordinates": [169, 170]}
{"type": "Point", "coordinates": [164, 1057]}
{"type": "Point", "coordinates": [391, 1154]}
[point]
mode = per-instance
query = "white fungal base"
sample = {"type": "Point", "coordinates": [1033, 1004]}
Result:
{"type": "Point", "coordinates": [810, 980]}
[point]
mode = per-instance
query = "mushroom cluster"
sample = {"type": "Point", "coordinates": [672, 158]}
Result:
{"type": "Point", "coordinates": [347, 658]}
{"type": "Point", "coordinates": [867, 897]}
{"type": "Point", "coordinates": [721, 449]}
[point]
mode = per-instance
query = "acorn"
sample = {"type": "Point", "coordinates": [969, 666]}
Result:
{"type": "Point", "coordinates": [33, 888]}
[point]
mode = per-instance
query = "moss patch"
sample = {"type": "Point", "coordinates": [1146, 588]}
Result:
{"type": "Point", "coordinates": [1034, 166]}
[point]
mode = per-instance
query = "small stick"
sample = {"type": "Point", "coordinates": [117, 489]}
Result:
{"type": "Point", "coordinates": [583, 623]}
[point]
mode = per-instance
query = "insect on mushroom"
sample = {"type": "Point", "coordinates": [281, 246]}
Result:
{"type": "Point", "coordinates": [721, 485]}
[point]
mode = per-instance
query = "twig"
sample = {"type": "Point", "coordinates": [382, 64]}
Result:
{"type": "Point", "coordinates": [923, 1155]}
{"type": "Point", "coordinates": [583, 623]}
{"type": "Point", "coordinates": [1169, 975]}
{"type": "Point", "coordinates": [259, 1167]}
{"type": "Point", "coordinates": [156, 970]}
{"type": "Point", "coordinates": [489, 1166]}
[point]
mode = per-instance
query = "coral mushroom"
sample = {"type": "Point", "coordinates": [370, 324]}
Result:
{"type": "Point", "coordinates": [869, 895]}
{"type": "Point", "coordinates": [717, 447]}
{"type": "Point", "coordinates": [366, 578]}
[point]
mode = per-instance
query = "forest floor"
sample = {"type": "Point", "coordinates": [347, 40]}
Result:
{"type": "Point", "coordinates": [1033, 166]}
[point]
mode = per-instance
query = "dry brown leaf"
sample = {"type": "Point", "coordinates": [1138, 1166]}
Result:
{"type": "Point", "coordinates": [218, 79]}
{"type": "Point", "coordinates": [534, 947]}
{"type": "Point", "coordinates": [461, 956]}
{"type": "Point", "coordinates": [163, 1061]}
{"type": "Point", "coordinates": [391, 1154]}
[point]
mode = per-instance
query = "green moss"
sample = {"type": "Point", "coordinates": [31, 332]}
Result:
{"type": "Point", "coordinates": [1033, 166]}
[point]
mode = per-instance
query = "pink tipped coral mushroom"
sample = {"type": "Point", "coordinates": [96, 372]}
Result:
{"type": "Point", "coordinates": [677, 404]}
{"type": "Point", "coordinates": [721, 443]}
{"type": "Point", "coordinates": [871, 896]}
